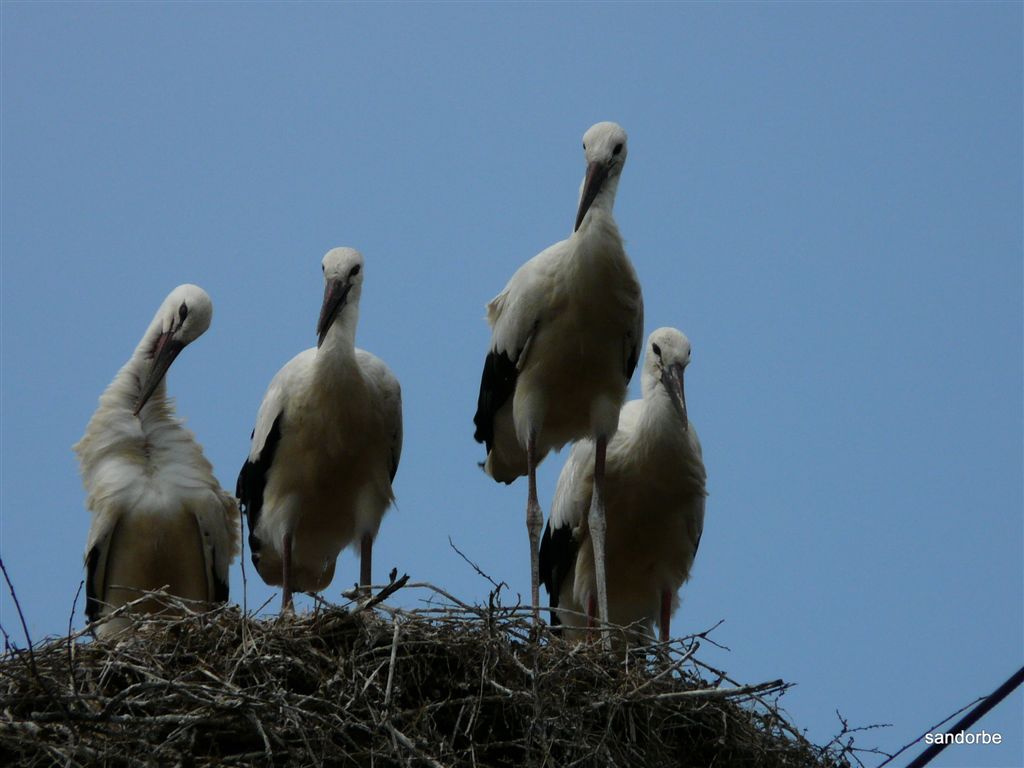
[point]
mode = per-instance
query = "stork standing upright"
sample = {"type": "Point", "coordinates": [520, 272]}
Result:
{"type": "Point", "coordinates": [325, 448]}
{"type": "Point", "coordinates": [655, 491]}
{"type": "Point", "coordinates": [566, 335]}
{"type": "Point", "coordinates": [160, 518]}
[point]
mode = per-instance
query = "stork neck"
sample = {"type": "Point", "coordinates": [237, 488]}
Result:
{"type": "Point", "coordinates": [597, 250]}
{"type": "Point", "coordinates": [599, 228]}
{"type": "Point", "coordinates": [649, 383]}
{"type": "Point", "coordinates": [123, 393]}
{"type": "Point", "coordinates": [137, 368]}
{"type": "Point", "coordinates": [659, 416]}
{"type": "Point", "coordinates": [339, 346]}
{"type": "Point", "coordinates": [605, 199]}
{"type": "Point", "coordinates": [604, 202]}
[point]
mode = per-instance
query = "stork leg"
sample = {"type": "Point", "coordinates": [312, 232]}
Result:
{"type": "Point", "coordinates": [286, 573]}
{"type": "Point", "coordinates": [666, 614]}
{"type": "Point", "coordinates": [591, 610]}
{"type": "Point", "coordinates": [534, 521]}
{"type": "Point", "coordinates": [365, 563]}
{"type": "Point", "coordinates": [598, 528]}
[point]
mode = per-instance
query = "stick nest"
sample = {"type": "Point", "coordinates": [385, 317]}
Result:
{"type": "Point", "coordinates": [447, 684]}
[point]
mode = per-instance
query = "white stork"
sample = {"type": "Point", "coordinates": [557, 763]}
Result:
{"type": "Point", "coordinates": [160, 518]}
{"type": "Point", "coordinates": [654, 491]}
{"type": "Point", "coordinates": [325, 449]}
{"type": "Point", "coordinates": [566, 335]}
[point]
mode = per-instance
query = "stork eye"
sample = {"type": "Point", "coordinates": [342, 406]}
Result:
{"type": "Point", "coordinates": [584, 146]}
{"type": "Point", "coordinates": [618, 148]}
{"type": "Point", "coordinates": [355, 270]}
{"type": "Point", "coordinates": [183, 311]}
{"type": "Point", "coordinates": [656, 349]}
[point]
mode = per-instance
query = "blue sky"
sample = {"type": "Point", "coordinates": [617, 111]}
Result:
{"type": "Point", "coordinates": [825, 197]}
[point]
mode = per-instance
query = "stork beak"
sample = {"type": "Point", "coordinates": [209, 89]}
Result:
{"type": "Point", "coordinates": [672, 378]}
{"type": "Point", "coordinates": [596, 174]}
{"type": "Point", "coordinates": [335, 293]}
{"type": "Point", "coordinates": [167, 348]}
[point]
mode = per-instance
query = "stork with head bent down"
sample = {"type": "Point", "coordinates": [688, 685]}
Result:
{"type": "Point", "coordinates": [325, 448]}
{"type": "Point", "coordinates": [160, 518]}
{"type": "Point", "coordinates": [654, 490]}
{"type": "Point", "coordinates": [566, 335]}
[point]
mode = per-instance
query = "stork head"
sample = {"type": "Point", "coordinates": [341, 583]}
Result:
{"type": "Point", "coordinates": [668, 354]}
{"type": "Point", "coordinates": [343, 283]}
{"type": "Point", "coordinates": [604, 147]}
{"type": "Point", "coordinates": [182, 318]}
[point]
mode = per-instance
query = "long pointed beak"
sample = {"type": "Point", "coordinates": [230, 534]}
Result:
{"type": "Point", "coordinates": [335, 293]}
{"type": "Point", "coordinates": [596, 174]}
{"type": "Point", "coordinates": [167, 348]}
{"type": "Point", "coordinates": [672, 378]}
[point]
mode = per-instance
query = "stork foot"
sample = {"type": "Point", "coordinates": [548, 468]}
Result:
{"type": "Point", "coordinates": [534, 522]}
{"type": "Point", "coordinates": [666, 615]}
{"type": "Point", "coordinates": [534, 518]}
{"type": "Point", "coordinates": [598, 529]}
{"type": "Point", "coordinates": [366, 565]}
{"type": "Point", "coordinates": [591, 621]}
{"type": "Point", "coordinates": [286, 575]}
{"type": "Point", "coordinates": [287, 605]}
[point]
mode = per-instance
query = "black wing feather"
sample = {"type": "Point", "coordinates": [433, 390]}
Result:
{"type": "Point", "coordinates": [633, 359]}
{"type": "Point", "coordinates": [497, 383]}
{"type": "Point", "coordinates": [558, 551]}
{"type": "Point", "coordinates": [220, 588]}
{"type": "Point", "coordinates": [395, 452]}
{"type": "Point", "coordinates": [92, 600]}
{"type": "Point", "coordinates": [252, 481]}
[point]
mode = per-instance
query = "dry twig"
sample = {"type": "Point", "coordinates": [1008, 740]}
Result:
{"type": "Point", "coordinates": [463, 688]}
